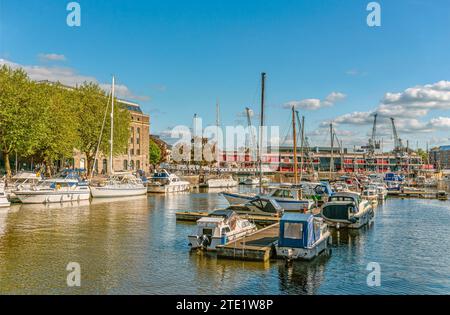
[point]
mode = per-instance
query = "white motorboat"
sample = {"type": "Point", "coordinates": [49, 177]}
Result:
{"type": "Point", "coordinates": [164, 182]}
{"type": "Point", "coordinates": [254, 181]}
{"type": "Point", "coordinates": [290, 197]}
{"type": "Point", "coordinates": [3, 199]}
{"type": "Point", "coordinates": [54, 190]}
{"type": "Point", "coordinates": [258, 206]}
{"type": "Point", "coordinates": [22, 180]}
{"type": "Point", "coordinates": [347, 209]}
{"type": "Point", "coordinates": [219, 228]}
{"type": "Point", "coordinates": [225, 182]}
{"type": "Point", "coordinates": [302, 236]}
{"type": "Point", "coordinates": [370, 194]}
{"type": "Point", "coordinates": [119, 185]}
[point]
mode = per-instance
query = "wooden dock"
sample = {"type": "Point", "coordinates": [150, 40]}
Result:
{"type": "Point", "coordinates": [258, 246]}
{"type": "Point", "coordinates": [413, 194]}
{"type": "Point", "coordinates": [193, 216]}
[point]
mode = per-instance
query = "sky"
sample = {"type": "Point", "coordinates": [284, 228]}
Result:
{"type": "Point", "coordinates": [178, 58]}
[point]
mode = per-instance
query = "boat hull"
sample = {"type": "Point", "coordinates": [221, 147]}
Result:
{"type": "Point", "coordinates": [108, 192]}
{"type": "Point", "coordinates": [305, 253]}
{"type": "Point", "coordinates": [28, 197]}
{"type": "Point", "coordinates": [162, 189]}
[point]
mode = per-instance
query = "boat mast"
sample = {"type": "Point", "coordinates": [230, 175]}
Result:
{"type": "Point", "coordinates": [111, 168]}
{"type": "Point", "coordinates": [294, 135]}
{"type": "Point", "coordinates": [301, 147]}
{"type": "Point", "coordinates": [263, 79]}
{"type": "Point", "coordinates": [332, 149]}
{"type": "Point", "coordinates": [217, 132]}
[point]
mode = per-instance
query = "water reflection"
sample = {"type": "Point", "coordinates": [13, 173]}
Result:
{"type": "Point", "coordinates": [135, 245]}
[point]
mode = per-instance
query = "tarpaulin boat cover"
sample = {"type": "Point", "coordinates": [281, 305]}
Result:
{"type": "Point", "coordinates": [297, 230]}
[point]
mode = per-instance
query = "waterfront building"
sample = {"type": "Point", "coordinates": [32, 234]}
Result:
{"type": "Point", "coordinates": [440, 157]}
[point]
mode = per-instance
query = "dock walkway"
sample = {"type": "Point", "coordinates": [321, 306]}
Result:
{"type": "Point", "coordinates": [257, 246]}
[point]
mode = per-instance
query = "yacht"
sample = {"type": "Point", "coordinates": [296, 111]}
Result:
{"type": "Point", "coordinates": [164, 182]}
{"type": "Point", "coordinates": [258, 206]}
{"type": "Point", "coordinates": [370, 194]}
{"type": "Point", "coordinates": [219, 228]}
{"type": "Point", "coordinates": [225, 182]}
{"type": "Point", "coordinates": [302, 236]}
{"type": "Point", "coordinates": [347, 209]}
{"type": "Point", "coordinates": [254, 180]}
{"type": "Point", "coordinates": [119, 184]}
{"type": "Point", "coordinates": [290, 197]}
{"type": "Point", "coordinates": [54, 190]}
{"type": "Point", "coordinates": [3, 199]}
{"type": "Point", "coordinates": [22, 180]}
{"type": "Point", "coordinates": [122, 184]}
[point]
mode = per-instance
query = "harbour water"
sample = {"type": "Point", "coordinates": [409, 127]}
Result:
{"type": "Point", "coordinates": [136, 246]}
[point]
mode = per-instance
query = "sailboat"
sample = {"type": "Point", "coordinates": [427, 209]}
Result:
{"type": "Point", "coordinates": [122, 184]}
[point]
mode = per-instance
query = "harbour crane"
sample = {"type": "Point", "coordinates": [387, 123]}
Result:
{"type": "Point", "coordinates": [398, 146]}
{"type": "Point", "coordinates": [373, 144]}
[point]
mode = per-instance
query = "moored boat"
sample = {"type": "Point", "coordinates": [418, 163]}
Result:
{"type": "Point", "coordinates": [347, 209]}
{"type": "Point", "coordinates": [3, 199]}
{"type": "Point", "coordinates": [219, 228]}
{"type": "Point", "coordinates": [223, 182]}
{"type": "Point", "coordinates": [54, 190]}
{"type": "Point", "coordinates": [302, 236]}
{"type": "Point", "coordinates": [119, 185]}
{"type": "Point", "coordinates": [165, 182]}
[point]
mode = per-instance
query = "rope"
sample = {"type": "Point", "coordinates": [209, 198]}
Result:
{"type": "Point", "coordinates": [101, 133]}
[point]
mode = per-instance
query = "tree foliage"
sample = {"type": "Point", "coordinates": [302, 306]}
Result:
{"type": "Point", "coordinates": [48, 121]}
{"type": "Point", "coordinates": [154, 153]}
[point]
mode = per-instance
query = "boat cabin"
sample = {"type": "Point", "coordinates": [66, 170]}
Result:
{"type": "Point", "coordinates": [298, 230]}
{"type": "Point", "coordinates": [259, 205]}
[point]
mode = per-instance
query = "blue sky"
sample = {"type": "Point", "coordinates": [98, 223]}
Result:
{"type": "Point", "coordinates": [177, 57]}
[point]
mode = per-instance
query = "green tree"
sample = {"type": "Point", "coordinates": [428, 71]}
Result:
{"type": "Point", "coordinates": [423, 154]}
{"type": "Point", "coordinates": [59, 116]}
{"type": "Point", "coordinates": [92, 103]}
{"type": "Point", "coordinates": [154, 153]}
{"type": "Point", "coordinates": [21, 112]}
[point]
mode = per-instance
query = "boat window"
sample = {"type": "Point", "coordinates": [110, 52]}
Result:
{"type": "Point", "coordinates": [208, 232]}
{"type": "Point", "coordinates": [225, 230]}
{"type": "Point", "coordinates": [293, 230]}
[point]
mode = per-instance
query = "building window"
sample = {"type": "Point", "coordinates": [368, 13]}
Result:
{"type": "Point", "coordinates": [104, 166]}
{"type": "Point", "coordinates": [138, 165]}
{"type": "Point", "coordinates": [138, 152]}
{"type": "Point", "coordinates": [131, 151]}
{"type": "Point", "coordinates": [132, 164]}
{"type": "Point", "coordinates": [139, 131]}
{"type": "Point", "coordinates": [137, 140]}
{"type": "Point", "coordinates": [131, 140]}
{"type": "Point", "coordinates": [125, 165]}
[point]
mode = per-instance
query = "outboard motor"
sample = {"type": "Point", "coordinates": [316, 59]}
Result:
{"type": "Point", "coordinates": [205, 241]}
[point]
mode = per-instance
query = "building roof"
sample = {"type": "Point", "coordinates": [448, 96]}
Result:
{"type": "Point", "coordinates": [131, 106]}
{"type": "Point", "coordinates": [296, 217]}
{"type": "Point", "coordinates": [444, 148]}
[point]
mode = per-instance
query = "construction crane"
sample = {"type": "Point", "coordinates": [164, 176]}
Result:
{"type": "Point", "coordinates": [373, 144]}
{"type": "Point", "coordinates": [398, 146]}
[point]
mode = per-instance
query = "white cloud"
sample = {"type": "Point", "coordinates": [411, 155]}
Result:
{"type": "Point", "coordinates": [70, 77]}
{"type": "Point", "coordinates": [315, 103]}
{"type": "Point", "coordinates": [52, 57]}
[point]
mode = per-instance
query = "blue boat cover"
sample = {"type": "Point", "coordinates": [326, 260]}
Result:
{"type": "Point", "coordinates": [297, 230]}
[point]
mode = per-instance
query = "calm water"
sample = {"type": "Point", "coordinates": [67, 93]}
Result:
{"type": "Point", "coordinates": [136, 246]}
